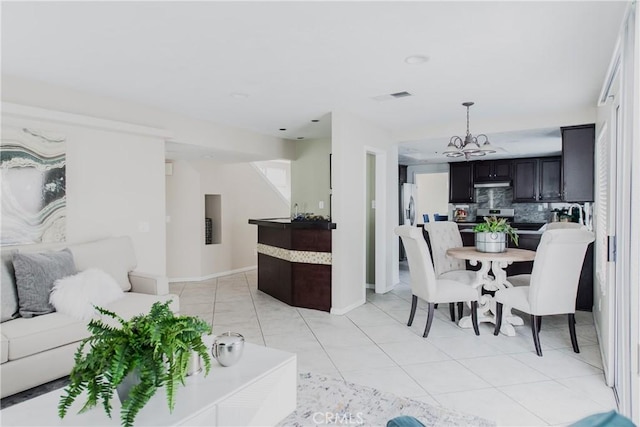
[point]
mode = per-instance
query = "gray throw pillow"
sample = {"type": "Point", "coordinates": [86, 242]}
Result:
{"type": "Point", "coordinates": [9, 295]}
{"type": "Point", "coordinates": [35, 274]}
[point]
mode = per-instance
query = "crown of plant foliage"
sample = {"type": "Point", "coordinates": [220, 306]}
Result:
{"type": "Point", "coordinates": [492, 224]}
{"type": "Point", "coordinates": [156, 346]}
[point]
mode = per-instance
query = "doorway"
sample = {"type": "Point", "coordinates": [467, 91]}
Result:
{"type": "Point", "coordinates": [371, 221]}
{"type": "Point", "coordinates": [375, 221]}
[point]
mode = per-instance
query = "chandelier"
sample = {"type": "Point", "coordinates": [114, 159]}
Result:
{"type": "Point", "coordinates": [470, 146]}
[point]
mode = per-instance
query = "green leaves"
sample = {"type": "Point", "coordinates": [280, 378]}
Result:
{"type": "Point", "coordinates": [157, 346]}
{"type": "Point", "coordinates": [492, 224]}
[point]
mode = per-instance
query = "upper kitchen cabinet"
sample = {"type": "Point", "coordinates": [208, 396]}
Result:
{"type": "Point", "coordinates": [578, 144]}
{"type": "Point", "coordinates": [492, 170]}
{"type": "Point", "coordinates": [537, 180]}
{"type": "Point", "coordinates": [550, 179]}
{"type": "Point", "coordinates": [525, 180]}
{"type": "Point", "coordinates": [461, 182]}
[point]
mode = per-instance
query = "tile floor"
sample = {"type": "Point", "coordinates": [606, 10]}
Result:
{"type": "Point", "coordinates": [498, 378]}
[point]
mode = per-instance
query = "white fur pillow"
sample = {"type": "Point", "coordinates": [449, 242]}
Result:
{"type": "Point", "coordinates": [76, 295]}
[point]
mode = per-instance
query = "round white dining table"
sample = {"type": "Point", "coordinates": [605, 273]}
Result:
{"type": "Point", "coordinates": [496, 262]}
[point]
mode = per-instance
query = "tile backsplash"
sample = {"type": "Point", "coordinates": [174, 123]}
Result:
{"type": "Point", "coordinates": [502, 197]}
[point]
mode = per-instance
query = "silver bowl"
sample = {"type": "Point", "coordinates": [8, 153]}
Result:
{"type": "Point", "coordinates": [227, 348]}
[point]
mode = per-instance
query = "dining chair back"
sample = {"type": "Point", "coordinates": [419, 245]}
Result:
{"type": "Point", "coordinates": [563, 225]}
{"type": "Point", "coordinates": [423, 277]}
{"type": "Point", "coordinates": [426, 286]}
{"type": "Point", "coordinates": [556, 271]}
{"type": "Point", "coordinates": [444, 235]}
{"type": "Point", "coordinates": [553, 283]}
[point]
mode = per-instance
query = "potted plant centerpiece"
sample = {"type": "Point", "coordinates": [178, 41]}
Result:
{"type": "Point", "coordinates": [491, 235]}
{"type": "Point", "coordinates": [155, 347]}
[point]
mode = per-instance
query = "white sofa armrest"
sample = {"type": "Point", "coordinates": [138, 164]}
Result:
{"type": "Point", "coordinates": [150, 284]}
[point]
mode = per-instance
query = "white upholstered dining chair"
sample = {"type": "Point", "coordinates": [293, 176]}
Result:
{"type": "Point", "coordinates": [445, 235]}
{"type": "Point", "coordinates": [552, 284]}
{"type": "Point", "coordinates": [424, 283]}
{"type": "Point", "coordinates": [563, 225]}
{"type": "Point", "coordinates": [524, 279]}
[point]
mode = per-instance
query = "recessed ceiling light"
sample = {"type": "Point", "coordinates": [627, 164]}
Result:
{"type": "Point", "coordinates": [239, 95]}
{"type": "Point", "coordinates": [416, 59]}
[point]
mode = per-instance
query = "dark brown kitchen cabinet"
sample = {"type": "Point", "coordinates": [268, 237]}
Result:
{"type": "Point", "coordinates": [525, 180]}
{"type": "Point", "coordinates": [461, 182]}
{"type": "Point", "coordinates": [578, 144]}
{"type": "Point", "coordinates": [492, 170]}
{"type": "Point", "coordinates": [550, 179]}
{"type": "Point", "coordinates": [537, 180]}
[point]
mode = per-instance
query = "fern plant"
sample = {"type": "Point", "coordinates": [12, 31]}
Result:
{"type": "Point", "coordinates": [155, 346]}
{"type": "Point", "coordinates": [492, 224]}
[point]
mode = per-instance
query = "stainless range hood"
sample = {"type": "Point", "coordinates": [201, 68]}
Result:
{"type": "Point", "coordinates": [492, 184]}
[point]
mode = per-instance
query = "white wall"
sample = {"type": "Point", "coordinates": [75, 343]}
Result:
{"type": "Point", "coordinates": [115, 183]}
{"type": "Point", "coordinates": [431, 168]}
{"type": "Point", "coordinates": [185, 213]}
{"type": "Point", "coordinates": [240, 143]}
{"type": "Point", "coordinates": [119, 177]}
{"type": "Point", "coordinates": [245, 194]}
{"type": "Point", "coordinates": [432, 195]}
{"type": "Point", "coordinates": [351, 137]}
{"type": "Point", "coordinates": [310, 176]}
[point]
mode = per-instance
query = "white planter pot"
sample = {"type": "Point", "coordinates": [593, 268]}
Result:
{"type": "Point", "coordinates": [491, 242]}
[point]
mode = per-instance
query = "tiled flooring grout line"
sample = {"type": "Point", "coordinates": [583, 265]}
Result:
{"type": "Point", "coordinates": [253, 302]}
{"type": "Point", "coordinates": [213, 308]}
{"type": "Point", "coordinates": [321, 345]}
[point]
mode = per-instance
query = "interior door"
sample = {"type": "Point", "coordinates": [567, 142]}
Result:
{"type": "Point", "coordinates": [604, 227]}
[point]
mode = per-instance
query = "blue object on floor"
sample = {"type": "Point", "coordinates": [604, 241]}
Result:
{"type": "Point", "coordinates": [425, 217]}
{"type": "Point", "coordinates": [608, 419]}
{"type": "Point", "coordinates": [438, 217]}
{"type": "Point", "coordinates": [404, 421]}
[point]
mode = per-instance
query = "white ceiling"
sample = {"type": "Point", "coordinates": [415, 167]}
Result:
{"type": "Point", "coordinates": [269, 65]}
{"type": "Point", "coordinates": [525, 143]}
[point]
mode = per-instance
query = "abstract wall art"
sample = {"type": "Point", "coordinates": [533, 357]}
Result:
{"type": "Point", "coordinates": [33, 182]}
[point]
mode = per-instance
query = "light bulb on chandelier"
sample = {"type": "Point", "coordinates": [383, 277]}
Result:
{"type": "Point", "coordinates": [470, 145]}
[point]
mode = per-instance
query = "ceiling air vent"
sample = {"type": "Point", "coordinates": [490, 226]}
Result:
{"type": "Point", "coordinates": [391, 96]}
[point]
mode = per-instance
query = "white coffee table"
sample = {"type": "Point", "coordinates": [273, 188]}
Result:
{"type": "Point", "coordinates": [259, 390]}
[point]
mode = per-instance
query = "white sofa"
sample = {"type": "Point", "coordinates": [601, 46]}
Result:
{"type": "Point", "coordinates": [40, 349]}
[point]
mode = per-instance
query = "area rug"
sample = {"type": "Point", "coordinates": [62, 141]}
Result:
{"type": "Point", "coordinates": [329, 401]}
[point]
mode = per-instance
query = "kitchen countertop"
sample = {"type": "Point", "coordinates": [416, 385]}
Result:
{"type": "Point", "coordinates": [539, 232]}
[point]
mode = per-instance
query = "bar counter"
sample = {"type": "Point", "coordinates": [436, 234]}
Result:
{"type": "Point", "coordinates": [294, 261]}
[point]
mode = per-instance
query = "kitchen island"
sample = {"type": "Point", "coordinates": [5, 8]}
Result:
{"type": "Point", "coordinates": [294, 261]}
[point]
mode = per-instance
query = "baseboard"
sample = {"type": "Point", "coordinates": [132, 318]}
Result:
{"type": "Point", "coordinates": [373, 286]}
{"type": "Point", "coordinates": [608, 376]}
{"type": "Point", "coordinates": [211, 276]}
{"type": "Point", "coordinates": [344, 310]}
